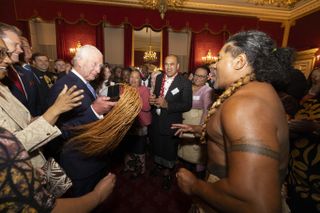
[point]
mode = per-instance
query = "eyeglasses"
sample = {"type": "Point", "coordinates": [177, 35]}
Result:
{"type": "Point", "coordinates": [200, 76]}
{"type": "Point", "coordinates": [4, 53]}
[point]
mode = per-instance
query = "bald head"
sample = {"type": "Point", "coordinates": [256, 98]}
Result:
{"type": "Point", "coordinates": [171, 65]}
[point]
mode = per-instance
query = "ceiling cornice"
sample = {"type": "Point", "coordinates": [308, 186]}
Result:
{"type": "Point", "coordinates": [264, 13]}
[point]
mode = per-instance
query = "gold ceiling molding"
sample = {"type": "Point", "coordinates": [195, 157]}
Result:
{"type": "Point", "coordinates": [265, 13]}
{"type": "Point", "coordinates": [305, 9]}
{"type": "Point", "coordinates": [239, 10]}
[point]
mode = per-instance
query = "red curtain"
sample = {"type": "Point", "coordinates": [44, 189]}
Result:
{"type": "Point", "coordinates": [202, 42]}
{"type": "Point", "coordinates": [69, 34]}
{"type": "Point", "coordinates": [127, 45]}
{"type": "Point", "coordinates": [165, 45]}
{"type": "Point", "coordinates": [191, 54]}
{"type": "Point", "coordinates": [100, 38]}
{"type": "Point", "coordinates": [94, 14]}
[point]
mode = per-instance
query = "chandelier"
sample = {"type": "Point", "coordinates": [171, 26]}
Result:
{"type": "Point", "coordinates": [278, 3]}
{"type": "Point", "coordinates": [209, 58]}
{"type": "Point", "coordinates": [150, 55]}
{"type": "Point", "coordinates": [74, 50]}
{"type": "Point", "coordinates": [162, 5]}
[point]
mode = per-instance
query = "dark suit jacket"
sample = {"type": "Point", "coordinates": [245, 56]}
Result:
{"type": "Point", "coordinates": [77, 165]}
{"type": "Point", "coordinates": [31, 87]}
{"type": "Point", "coordinates": [179, 98]}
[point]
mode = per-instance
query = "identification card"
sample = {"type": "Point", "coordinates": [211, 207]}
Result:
{"type": "Point", "coordinates": [175, 91]}
{"type": "Point", "coordinates": [196, 98]}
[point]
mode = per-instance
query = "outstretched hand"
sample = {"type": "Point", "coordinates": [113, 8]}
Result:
{"type": "Point", "coordinates": [186, 180]}
{"type": "Point", "coordinates": [183, 128]}
{"type": "Point", "coordinates": [68, 99]}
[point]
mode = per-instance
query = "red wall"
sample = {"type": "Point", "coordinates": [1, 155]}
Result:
{"type": "Point", "coordinates": [274, 29]}
{"type": "Point", "coordinates": [8, 16]}
{"type": "Point", "coordinates": [306, 32]}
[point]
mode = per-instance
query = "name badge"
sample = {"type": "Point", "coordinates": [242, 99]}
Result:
{"type": "Point", "coordinates": [175, 91]}
{"type": "Point", "coordinates": [196, 98]}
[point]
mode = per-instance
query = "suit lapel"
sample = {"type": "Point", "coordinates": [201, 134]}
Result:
{"type": "Point", "coordinates": [80, 83]}
{"type": "Point", "coordinates": [158, 84]}
{"type": "Point", "coordinates": [174, 84]}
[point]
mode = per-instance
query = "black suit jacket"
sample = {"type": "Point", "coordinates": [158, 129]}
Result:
{"type": "Point", "coordinates": [179, 99]}
{"type": "Point", "coordinates": [77, 165]}
{"type": "Point", "coordinates": [31, 102]}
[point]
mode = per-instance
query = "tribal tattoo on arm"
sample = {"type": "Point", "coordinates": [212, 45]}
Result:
{"type": "Point", "coordinates": [256, 149]}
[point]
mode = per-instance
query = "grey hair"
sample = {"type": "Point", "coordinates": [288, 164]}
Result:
{"type": "Point", "coordinates": [85, 52]}
{"type": "Point", "coordinates": [6, 27]}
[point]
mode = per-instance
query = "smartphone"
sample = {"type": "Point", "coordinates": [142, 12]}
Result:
{"type": "Point", "coordinates": [114, 92]}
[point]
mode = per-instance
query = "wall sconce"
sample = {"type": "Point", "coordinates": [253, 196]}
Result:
{"type": "Point", "coordinates": [209, 58]}
{"type": "Point", "coordinates": [318, 57]}
{"type": "Point", "coordinates": [74, 50]}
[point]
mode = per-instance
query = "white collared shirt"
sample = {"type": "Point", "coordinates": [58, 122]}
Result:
{"type": "Point", "coordinates": [167, 84]}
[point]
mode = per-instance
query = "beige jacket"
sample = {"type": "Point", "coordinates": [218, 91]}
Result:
{"type": "Point", "coordinates": [17, 119]}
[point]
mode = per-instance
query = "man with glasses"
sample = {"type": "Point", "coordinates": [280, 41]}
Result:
{"type": "Point", "coordinates": [85, 172]}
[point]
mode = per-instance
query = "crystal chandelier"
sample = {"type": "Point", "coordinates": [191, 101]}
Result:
{"type": "Point", "coordinates": [162, 5]}
{"type": "Point", "coordinates": [209, 58]}
{"type": "Point", "coordinates": [278, 3]}
{"type": "Point", "coordinates": [150, 55]}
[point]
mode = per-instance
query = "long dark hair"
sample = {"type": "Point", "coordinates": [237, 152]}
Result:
{"type": "Point", "coordinates": [267, 61]}
{"type": "Point", "coordinates": [96, 83]}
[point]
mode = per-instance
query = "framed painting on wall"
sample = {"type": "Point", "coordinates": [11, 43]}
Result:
{"type": "Point", "coordinates": [305, 60]}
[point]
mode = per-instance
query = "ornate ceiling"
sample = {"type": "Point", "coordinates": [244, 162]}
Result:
{"type": "Point", "coordinates": [232, 7]}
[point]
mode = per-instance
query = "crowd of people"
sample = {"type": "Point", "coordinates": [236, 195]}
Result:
{"type": "Point", "coordinates": [245, 128]}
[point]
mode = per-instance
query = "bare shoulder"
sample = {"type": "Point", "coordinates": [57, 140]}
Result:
{"type": "Point", "coordinates": [256, 98]}
{"type": "Point", "coordinates": [254, 112]}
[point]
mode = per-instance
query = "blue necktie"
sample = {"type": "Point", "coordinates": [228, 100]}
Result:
{"type": "Point", "coordinates": [91, 90]}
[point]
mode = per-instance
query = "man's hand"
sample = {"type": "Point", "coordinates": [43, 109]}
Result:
{"type": "Point", "coordinates": [105, 187]}
{"type": "Point", "coordinates": [186, 180]}
{"type": "Point", "coordinates": [161, 102]}
{"type": "Point", "coordinates": [152, 99]}
{"type": "Point", "coordinates": [102, 105]}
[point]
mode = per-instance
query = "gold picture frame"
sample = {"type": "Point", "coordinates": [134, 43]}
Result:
{"type": "Point", "coordinates": [305, 60]}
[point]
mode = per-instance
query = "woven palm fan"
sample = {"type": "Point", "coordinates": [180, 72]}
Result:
{"type": "Point", "coordinates": [102, 136]}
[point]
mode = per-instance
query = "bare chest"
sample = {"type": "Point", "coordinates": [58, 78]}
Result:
{"type": "Point", "coordinates": [216, 145]}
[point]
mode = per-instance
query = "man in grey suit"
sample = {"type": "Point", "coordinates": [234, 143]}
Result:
{"type": "Point", "coordinates": [172, 96]}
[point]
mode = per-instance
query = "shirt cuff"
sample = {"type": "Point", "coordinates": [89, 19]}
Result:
{"type": "Point", "coordinates": [97, 115]}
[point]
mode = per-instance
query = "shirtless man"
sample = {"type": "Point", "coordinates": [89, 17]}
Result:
{"type": "Point", "coordinates": [246, 132]}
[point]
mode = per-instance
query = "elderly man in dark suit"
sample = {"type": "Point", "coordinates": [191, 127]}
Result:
{"type": "Point", "coordinates": [172, 96]}
{"type": "Point", "coordinates": [84, 171]}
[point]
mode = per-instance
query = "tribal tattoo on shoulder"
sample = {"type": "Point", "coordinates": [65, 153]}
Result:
{"type": "Point", "coordinates": [257, 149]}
